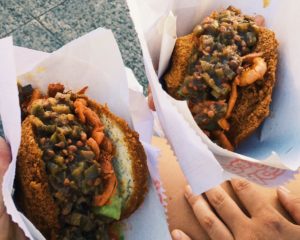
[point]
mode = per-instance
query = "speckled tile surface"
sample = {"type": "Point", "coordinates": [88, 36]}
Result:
{"type": "Point", "coordinates": [12, 16]}
{"type": "Point", "coordinates": [33, 35]}
{"type": "Point", "coordinates": [38, 7]}
{"type": "Point", "coordinates": [46, 25]}
{"type": "Point", "coordinates": [70, 20]}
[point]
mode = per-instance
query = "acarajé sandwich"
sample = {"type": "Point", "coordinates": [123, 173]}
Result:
{"type": "Point", "coordinates": [225, 69]}
{"type": "Point", "coordinates": [79, 166]}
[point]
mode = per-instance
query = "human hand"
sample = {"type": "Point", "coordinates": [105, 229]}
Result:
{"type": "Point", "coordinates": [150, 99]}
{"type": "Point", "coordinates": [221, 217]}
{"type": "Point", "coordinates": [9, 230]}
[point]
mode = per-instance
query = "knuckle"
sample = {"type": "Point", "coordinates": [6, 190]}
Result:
{"type": "Point", "coordinates": [208, 223]}
{"type": "Point", "coordinates": [274, 223]}
{"type": "Point", "coordinates": [217, 199]}
{"type": "Point", "coordinates": [209, 226]}
{"type": "Point", "coordinates": [194, 199]}
{"type": "Point", "coordinates": [241, 185]}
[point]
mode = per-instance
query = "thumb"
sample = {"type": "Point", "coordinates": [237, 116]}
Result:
{"type": "Point", "coordinates": [4, 162]}
{"type": "Point", "coordinates": [179, 235]}
{"type": "Point", "coordinates": [151, 102]}
{"type": "Point", "coordinates": [5, 157]}
{"type": "Point", "coordinates": [150, 99]}
{"type": "Point", "coordinates": [10, 231]}
{"type": "Point", "coordinates": [290, 202]}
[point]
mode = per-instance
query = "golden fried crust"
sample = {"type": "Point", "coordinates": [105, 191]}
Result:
{"type": "Point", "coordinates": [182, 51]}
{"type": "Point", "coordinates": [252, 105]}
{"type": "Point", "coordinates": [32, 191]}
{"type": "Point", "coordinates": [253, 102]}
{"type": "Point", "coordinates": [138, 157]}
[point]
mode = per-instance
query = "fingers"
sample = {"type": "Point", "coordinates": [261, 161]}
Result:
{"type": "Point", "coordinates": [4, 157]}
{"type": "Point", "coordinates": [150, 99]}
{"type": "Point", "coordinates": [290, 202]}
{"type": "Point", "coordinates": [4, 162]}
{"type": "Point", "coordinates": [227, 209]}
{"type": "Point", "coordinates": [213, 226]}
{"type": "Point", "coordinates": [179, 235]}
{"type": "Point", "coordinates": [151, 102]}
{"type": "Point", "coordinates": [252, 200]}
{"type": "Point", "coordinates": [10, 231]}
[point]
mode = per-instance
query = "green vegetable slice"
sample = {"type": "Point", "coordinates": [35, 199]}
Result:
{"type": "Point", "coordinates": [112, 209]}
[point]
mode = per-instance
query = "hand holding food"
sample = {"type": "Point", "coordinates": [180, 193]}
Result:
{"type": "Point", "coordinates": [222, 218]}
{"type": "Point", "coordinates": [79, 167]}
{"type": "Point", "coordinates": [9, 230]}
{"type": "Point", "coordinates": [225, 69]}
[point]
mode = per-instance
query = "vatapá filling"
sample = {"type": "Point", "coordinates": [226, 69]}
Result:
{"type": "Point", "coordinates": [78, 162]}
{"type": "Point", "coordinates": [223, 60]}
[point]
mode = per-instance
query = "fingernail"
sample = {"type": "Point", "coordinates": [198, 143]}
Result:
{"type": "Point", "coordinates": [188, 191]}
{"type": "Point", "coordinates": [283, 189]}
{"type": "Point", "coordinates": [176, 234]}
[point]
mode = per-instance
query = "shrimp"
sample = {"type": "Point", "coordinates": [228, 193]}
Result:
{"type": "Point", "coordinates": [247, 77]}
{"type": "Point", "coordinates": [255, 72]}
{"type": "Point", "coordinates": [98, 134]}
{"type": "Point", "coordinates": [94, 146]}
{"type": "Point", "coordinates": [224, 142]}
{"type": "Point", "coordinates": [79, 105]}
{"type": "Point", "coordinates": [109, 190]}
{"type": "Point", "coordinates": [224, 124]}
{"type": "Point", "coordinates": [232, 99]}
{"type": "Point", "coordinates": [250, 57]}
{"type": "Point", "coordinates": [110, 182]}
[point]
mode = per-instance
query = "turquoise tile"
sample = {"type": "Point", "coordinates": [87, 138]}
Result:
{"type": "Point", "coordinates": [121, 24]}
{"type": "Point", "coordinates": [33, 35]}
{"type": "Point", "coordinates": [73, 18]}
{"type": "Point", "coordinates": [38, 7]}
{"type": "Point", "coordinates": [12, 16]}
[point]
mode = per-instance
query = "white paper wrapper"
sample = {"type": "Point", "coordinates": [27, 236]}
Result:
{"type": "Point", "coordinates": [93, 60]}
{"type": "Point", "coordinates": [271, 155]}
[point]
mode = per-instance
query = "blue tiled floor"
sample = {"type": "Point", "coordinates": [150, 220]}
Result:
{"type": "Point", "coordinates": [38, 7]}
{"type": "Point", "coordinates": [12, 16]}
{"type": "Point", "coordinates": [34, 35]}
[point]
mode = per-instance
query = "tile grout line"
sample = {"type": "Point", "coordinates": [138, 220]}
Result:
{"type": "Point", "coordinates": [36, 18]}
{"type": "Point", "coordinates": [48, 30]}
{"type": "Point", "coordinates": [22, 25]}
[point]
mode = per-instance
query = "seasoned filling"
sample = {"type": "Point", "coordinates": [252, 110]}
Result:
{"type": "Point", "coordinates": [78, 161]}
{"type": "Point", "coordinates": [223, 60]}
